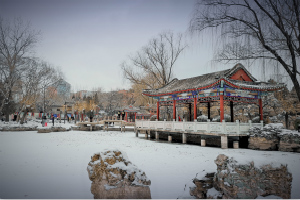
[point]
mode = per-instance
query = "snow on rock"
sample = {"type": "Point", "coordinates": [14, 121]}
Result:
{"type": "Point", "coordinates": [203, 187]}
{"type": "Point", "coordinates": [212, 193]}
{"type": "Point", "coordinates": [202, 118]}
{"type": "Point", "coordinates": [113, 176]}
{"type": "Point", "coordinates": [234, 180]}
{"type": "Point", "coordinates": [274, 137]}
{"type": "Point", "coordinates": [275, 125]}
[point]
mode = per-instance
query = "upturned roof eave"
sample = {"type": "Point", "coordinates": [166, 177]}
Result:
{"type": "Point", "coordinates": [244, 86]}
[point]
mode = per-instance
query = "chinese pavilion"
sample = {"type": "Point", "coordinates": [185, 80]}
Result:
{"type": "Point", "coordinates": [233, 85]}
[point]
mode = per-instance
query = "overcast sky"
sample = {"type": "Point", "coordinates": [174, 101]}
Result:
{"type": "Point", "coordinates": [89, 39]}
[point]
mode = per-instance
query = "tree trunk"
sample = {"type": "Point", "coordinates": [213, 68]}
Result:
{"type": "Point", "coordinates": [7, 117]}
{"type": "Point", "coordinates": [297, 86]}
{"type": "Point", "coordinates": [286, 120]}
{"type": "Point", "coordinates": [18, 117]}
{"type": "Point", "coordinates": [23, 117]}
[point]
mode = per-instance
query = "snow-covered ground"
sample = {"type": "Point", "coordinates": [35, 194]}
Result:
{"type": "Point", "coordinates": [53, 165]}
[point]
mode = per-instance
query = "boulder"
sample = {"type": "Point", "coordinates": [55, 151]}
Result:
{"type": "Point", "coordinates": [43, 130]}
{"type": "Point", "coordinates": [262, 143]}
{"type": "Point", "coordinates": [113, 176]}
{"type": "Point", "coordinates": [274, 137]}
{"type": "Point", "coordinates": [58, 129]}
{"type": "Point", "coordinates": [266, 138]}
{"type": "Point", "coordinates": [243, 181]}
{"type": "Point", "coordinates": [201, 191]}
{"type": "Point", "coordinates": [289, 141]}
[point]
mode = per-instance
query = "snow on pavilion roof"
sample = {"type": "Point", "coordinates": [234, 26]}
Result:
{"type": "Point", "coordinates": [211, 79]}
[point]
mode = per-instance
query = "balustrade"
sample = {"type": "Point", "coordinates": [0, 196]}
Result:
{"type": "Point", "coordinates": [208, 127]}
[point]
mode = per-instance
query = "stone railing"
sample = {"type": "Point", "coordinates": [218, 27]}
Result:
{"type": "Point", "coordinates": [194, 127]}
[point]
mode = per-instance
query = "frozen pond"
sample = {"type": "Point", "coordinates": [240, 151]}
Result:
{"type": "Point", "coordinates": [53, 165]}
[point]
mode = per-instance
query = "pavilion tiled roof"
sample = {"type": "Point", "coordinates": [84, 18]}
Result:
{"type": "Point", "coordinates": [209, 79]}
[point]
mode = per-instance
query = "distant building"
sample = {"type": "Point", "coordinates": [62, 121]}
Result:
{"type": "Point", "coordinates": [124, 92]}
{"type": "Point", "coordinates": [63, 88]}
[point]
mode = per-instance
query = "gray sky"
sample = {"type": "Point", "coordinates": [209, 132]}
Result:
{"type": "Point", "coordinates": [89, 39]}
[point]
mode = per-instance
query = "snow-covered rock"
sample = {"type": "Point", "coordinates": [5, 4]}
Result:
{"type": "Point", "coordinates": [274, 137]}
{"type": "Point", "coordinates": [227, 118]}
{"type": "Point", "coordinates": [246, 181]}
{"type": "Point", "coordinates": [113, 176]}
{"type": "Point", "coordinates": [202, 118]}
{"type": "Point", "coordinates": [234, 180]}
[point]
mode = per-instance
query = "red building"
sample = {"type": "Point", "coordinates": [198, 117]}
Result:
{"type": "Point", "coordinates": [232, 85]}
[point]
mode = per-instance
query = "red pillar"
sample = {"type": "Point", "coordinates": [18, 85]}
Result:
{"type": "Point", "coordinates": [134, 116]}
{"type": "Point", "coordinates": [195, 108]}
{"type": "Point", "coordinates": [174, 109]}
{"type": "Point", "coordinates": [260, 109]}
{"type": "Point", "coordinates": [126, 116]}
{"type": "Point", "coordinates": [157, 110]}
{"type": "Point", "coordinates": [208, 110]}
{"type": "Point", "coordinates": [221, 107]}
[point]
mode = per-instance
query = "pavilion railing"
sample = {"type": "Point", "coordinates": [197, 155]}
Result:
{"type": "Point", "coordinates": [196, 127]}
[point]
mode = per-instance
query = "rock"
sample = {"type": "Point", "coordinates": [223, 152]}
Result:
{"type": "Point", "coordinates": [43, 130]}
{"type": "Point", "coordinates": [114, 177]}
{"type": "Point", "coordinates": [201, 191]}
{"type": "Point", "coordinates": [243, 181]}
{"type": "Point", "coordinates": [262, 143]}
{"type": "Point", "coordinates": [19, 128]}
{"type": "Point", "coordinates": [289, 142]}
{"type": "Point", "coordinates": [266, 138]}
{"type": "Point", "coordinates": [58, 129]}
{"type": "Point", "coordinates": [274, 137]}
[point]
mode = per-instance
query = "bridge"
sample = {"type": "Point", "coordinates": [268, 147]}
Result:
{"type": "Point", "coordinates": [222, 129]}
{"type": "Point", "coordinates": [121, 123]}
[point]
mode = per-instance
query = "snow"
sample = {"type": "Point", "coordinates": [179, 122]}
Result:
{"type": "Point", "coordinates": [274, 125]}
{"type": "Point", "coordinates": [227, 184]}
{"type": "Point", "coordinates": [286, 132]}
{"type": "Point", "coordinates": [269, 197]}
{"type": "Point", "coordinates": [37, 123]}
{"type": "Point", "coordinates": [212, 192]}
{"type": "Point", "coordinates": [108, 187]}
{"type": "Point", "coordinates": [54, 165]}
{"type": "Point", "coordinates": [128, 167]}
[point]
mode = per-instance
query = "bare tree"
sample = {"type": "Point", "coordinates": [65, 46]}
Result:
{"type": "Point", "coordinates": [254, 30]}
{"type": "Point", "coordinates": [153, 65]}
{"type": "Point", "coordinates": [16, 42]}
{"type": "Point", "coordinates": [48, 84]}
{"type": "Point", "coordinates": [35, 79]}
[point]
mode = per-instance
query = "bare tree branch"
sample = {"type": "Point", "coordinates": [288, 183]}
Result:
{"type": "Point", "coordinates": [153, 65]}
{"type": "Point", "coordinates": [271, 26]}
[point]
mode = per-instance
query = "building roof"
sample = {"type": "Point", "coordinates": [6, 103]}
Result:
{"type": "Point", "coordinates": [209, 80]}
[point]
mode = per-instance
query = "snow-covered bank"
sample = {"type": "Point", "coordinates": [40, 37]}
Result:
{"type": "Point", "coordinates": [37, 123]}
{"type": "Point", "coordinates": [53, 165]}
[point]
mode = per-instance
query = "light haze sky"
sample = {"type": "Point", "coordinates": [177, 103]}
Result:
{"type": "Point", "coordinates": [89, 39]}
